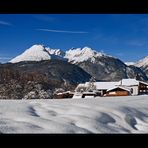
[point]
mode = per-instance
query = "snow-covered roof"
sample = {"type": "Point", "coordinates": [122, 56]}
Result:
{"type": "Point", "coordinates": [83, 85]}
{"type": "Point", "coordinates": [128, 82]}
{"type": "Point", "coordinates": [143, 83]}
{"type": "Point", "coordinates": [105, 85]}
{"type": "Point", "coordinates": [108, 85]}
{"type": "Point", "coordinates": [124, 88]}
{"type": "Point", "coordinates": [66, 92]}
{"type": "Point", "coordinates": [92, 93]}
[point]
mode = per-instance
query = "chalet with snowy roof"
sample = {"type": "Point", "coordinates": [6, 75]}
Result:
{"type": "Point", "coordinates": [102, 87]}
{"type": "Point", "coordinates": [137, 87]}
{"type": "Point", "coordinates": [123, 87]}
{"type": "Point", "coordinates": [118, 91]}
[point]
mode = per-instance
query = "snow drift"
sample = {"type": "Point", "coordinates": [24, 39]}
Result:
{"type": "Point", "coordinates": [100, 115]}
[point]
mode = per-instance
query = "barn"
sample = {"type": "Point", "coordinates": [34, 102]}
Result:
{"type": "Point", "coordinates": [118, 91]}
{"type": "Point", "coordinates": [102, 87]}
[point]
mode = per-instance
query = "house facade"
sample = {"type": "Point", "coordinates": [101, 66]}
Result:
{"type": "Point", "coordinates": [143, 88]}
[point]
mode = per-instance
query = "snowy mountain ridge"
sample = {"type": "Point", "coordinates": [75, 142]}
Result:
{"type": "Point", "coordinates": [57, 52]}
{"type": "Point", "coordinates": [77, 55]}
{"type": "Point", "coordinates": [142, 62]}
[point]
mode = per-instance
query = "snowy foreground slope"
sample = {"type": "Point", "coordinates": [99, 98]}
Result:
{"type": "Point", "coordinates": [100, 115]}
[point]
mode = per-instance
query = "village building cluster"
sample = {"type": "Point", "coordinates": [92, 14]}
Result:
{"type": "Point", "coordinates": [124, 87]}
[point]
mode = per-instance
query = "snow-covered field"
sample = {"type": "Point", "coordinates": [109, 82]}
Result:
{"type": "Point", "coordinates": [100, 115]}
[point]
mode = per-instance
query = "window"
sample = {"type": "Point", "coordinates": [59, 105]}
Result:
{"type": "Point", "coordinates": [131, 90]}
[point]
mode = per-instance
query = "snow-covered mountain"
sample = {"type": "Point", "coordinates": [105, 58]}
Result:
{"type": "Point", "coordinates": [102, 66]}
{"type": "Point", "coordinates": [129, 63]}
{"type": "Point", "coordinates": [143, 64]}
{"type": "Point", "coordinates": [37, 53]}
{"type": "Point", "coordinates": [77, 55]}
{"type": "Point", "coordinates": [57, 52]}
{"type": "Point", "coordinates": [97, 64]}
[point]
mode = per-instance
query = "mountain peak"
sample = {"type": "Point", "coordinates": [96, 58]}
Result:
{"type": "Point", "coordinates": [34, 53]}
{"type": "Point", "coordinates": [87, 49]}
{"type": "Point", "coordinates": [39, 52]}
{"type": "Point", "coordinates": [57, 52]}
{"type": "Point", "coordinates": [35, 46]}
{"type": "Point", "coordinates": [76, 55]}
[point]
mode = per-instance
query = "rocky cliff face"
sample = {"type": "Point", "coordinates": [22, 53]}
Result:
{"type": "Point", "coordinates": [136, 72]}
{"type": "Point", "coordinates": [102, 66]}
{"type": "Point", "coordinates": [38, 80]}
{"type": "Point", "coordinates": [105, 68]}
{"type": "Point", "coordinates": [145, 69]}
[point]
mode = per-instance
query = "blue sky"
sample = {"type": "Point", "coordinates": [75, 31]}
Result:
{"type": "Point", "coordinates": [121, 35]}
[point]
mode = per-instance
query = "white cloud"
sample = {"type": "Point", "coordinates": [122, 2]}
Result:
{"type": "Point", "coordinates": [62, 31]}
{"type": "Point", "coordinates": [5, 59]}
{"type": "Point", "coordinates": [5, 23]}
{"type": "Point", "coordinates": [137, 42]}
